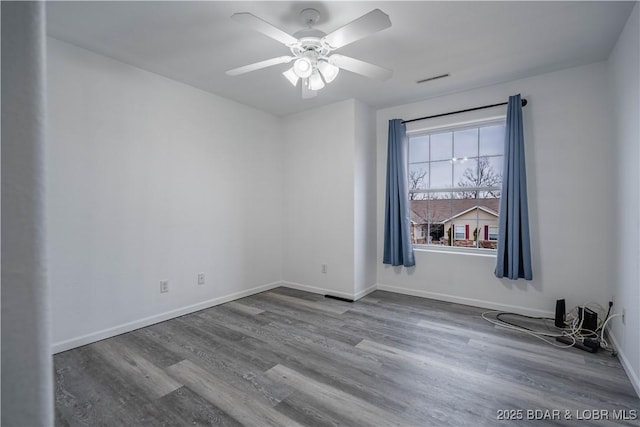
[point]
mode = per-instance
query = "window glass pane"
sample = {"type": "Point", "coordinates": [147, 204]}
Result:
{"type": "Point", "coordinates": [440, 209]}
{"type": "Point", "coordinates": [469, 160]}
{"type": "Point", "coordinates": [418, 176]}
{"type": "Point", "coordinates": [465, 143]}
{"type": "Point", "coordinates": [441, 146]}
{"type": "Point", "coordinates": [464, 219]}
{"type": "Point", "coordinates": [427, 216]}
{"type": "Point", "coordinates": [419, 149]}
{"type": "Point", "coordinates": [490, 175]}
{"type": "Point", "coordinates": [492, 140]}
{"type": "Point", "coordinates": [488, 223]}
{"type": "Point", "coordinates": [419, 224]}
{"type": "Point", "coordinates": [441, 174]}
{"type": "Point", "coordinates": [493, 166]}
{"type": "Point", "coordinates": [465, 174]}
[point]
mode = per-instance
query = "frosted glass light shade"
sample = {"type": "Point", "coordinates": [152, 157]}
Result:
{"type": "Point", "coordinates": [328, 70]}
{"type": "Point", "coordinates": [315, 81]}
{"type": "Point", "coordinates": [302, 67]}
{"type": "Point", "coordinates": [291, 75]}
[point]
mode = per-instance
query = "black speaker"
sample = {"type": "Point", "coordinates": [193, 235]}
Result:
{"type": "Point", "coordinates": [560, 313]}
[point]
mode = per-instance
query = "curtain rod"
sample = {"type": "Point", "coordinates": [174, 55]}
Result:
{"type": "Point", "coordinates": [524, 102]}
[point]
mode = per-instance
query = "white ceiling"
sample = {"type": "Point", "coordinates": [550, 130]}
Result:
{"type": "Point", "coordinates": [478, 43]}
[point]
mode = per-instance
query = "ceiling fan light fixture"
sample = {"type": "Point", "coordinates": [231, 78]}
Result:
{"type": "Point", "coordinates": [291, 75]}
{"type": "Point", "coordinates": [328, 70]}
{"type": "Point", "coordinates": [303, 67]}
{"type": "Point", "coordinates": [315, 81]}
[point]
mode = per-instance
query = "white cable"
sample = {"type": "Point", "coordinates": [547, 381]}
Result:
{"type": "Point", "coordinates": [537, 334]}
{"type": "Point", "coordinates": [573, 321]}
{"type": "Point", "coordinates": [577, 330]}
{"type": "Point", "coordinates": [605, 324]}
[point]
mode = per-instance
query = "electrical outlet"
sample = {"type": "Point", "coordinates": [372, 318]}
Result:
{"type": "Point", "coordinates": [200, 278]}
{"type": "Point", "coordinates": [324, 268]}
{"type": "Point", "coordinates": [624, 311]}
{"type": "Point", "coordinates": [164, 286]}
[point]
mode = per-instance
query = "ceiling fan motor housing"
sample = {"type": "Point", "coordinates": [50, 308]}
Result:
{"type": "Point", "coordinates": [314, 44]}
{"type": "Point", "coordinates": [310, 39]}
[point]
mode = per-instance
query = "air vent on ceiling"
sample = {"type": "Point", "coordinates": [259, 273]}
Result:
{"type": "Point", "coordinates": [441, 76]}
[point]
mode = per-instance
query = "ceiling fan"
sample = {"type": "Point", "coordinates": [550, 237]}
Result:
{"type": "Point", "coordinates": [311, 49]}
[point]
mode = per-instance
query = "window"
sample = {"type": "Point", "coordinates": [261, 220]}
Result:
{"type": "Point", "coordinates": [455, 179]}
{"type": "Point", "coordinates": [493, 233]}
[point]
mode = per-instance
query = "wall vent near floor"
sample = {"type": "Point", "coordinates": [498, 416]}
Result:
{"type": "Point", "coordinates": [338, 298]}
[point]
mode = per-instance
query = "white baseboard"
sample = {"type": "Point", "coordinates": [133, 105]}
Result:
{"type": "Point", "coordinates": [354, 297]}
{"type": "Point", "coordinates": [316, 290]}
{"type": "Point", "coordinates": [363, 293]}
{"type": "Point", "coordinates": [147, 321]}
{"type": "Point", "coordinates": [301, 287]}
{"type": "Point", "coordinates": [467, 301]}
{"type": "Point", "coordinates": [631, 373]}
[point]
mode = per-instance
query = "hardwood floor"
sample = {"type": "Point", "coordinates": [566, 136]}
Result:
{"type": "Point", "coordinates": [290, 358]}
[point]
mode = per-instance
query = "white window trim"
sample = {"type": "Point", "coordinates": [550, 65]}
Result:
{"type": "Point", "coordinates": [453, 190]}
{"type": "Point", "coordinates": [455, 250]}
{"type": "Point", "coordinates": [469, 124]}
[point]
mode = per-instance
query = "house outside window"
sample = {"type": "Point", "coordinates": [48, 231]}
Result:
{"type": "Point", "coordinates": [455, 179]}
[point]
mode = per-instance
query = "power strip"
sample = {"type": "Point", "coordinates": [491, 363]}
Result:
{"type": "Point", "coordinates": [578, 344]}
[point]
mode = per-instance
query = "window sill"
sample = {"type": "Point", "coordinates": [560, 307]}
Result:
{"type": "Point", "coordinates": [491, 253]}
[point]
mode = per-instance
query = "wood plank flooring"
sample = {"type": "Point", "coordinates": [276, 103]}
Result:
{"type": "Point", "coordinates": [291, 358]}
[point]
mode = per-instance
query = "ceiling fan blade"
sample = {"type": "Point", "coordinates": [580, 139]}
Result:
{"type": "Point", "coordinates": [306, 92]}
{"type": "Point", "coordinates": [264, 27]}
{"type": "Point", "coordinates": [360, 67]}
{"type": "Point", "coordinates": [259, 65]}
{"type": "Point", "coordinates": [367, 24]}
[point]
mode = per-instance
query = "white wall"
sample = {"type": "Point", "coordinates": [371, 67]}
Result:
{"type": "Point", "coordinates": [567, 135]}
{"type": "Point", "coordinates": [318, 205]}
{"type": "Point", "coordinates": [329, 174]}
{"type": "Point", "coordinates": [364, 200]}
{"type": "Point", "coordinates": [150, 179]}
{"type": "Point", "coordinates": [624, 74]}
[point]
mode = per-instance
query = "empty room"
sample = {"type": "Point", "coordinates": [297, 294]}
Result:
{"type": "Point", "coordinates": [341, 213]}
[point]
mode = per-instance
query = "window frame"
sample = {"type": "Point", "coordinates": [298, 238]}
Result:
{"type": "Point", "coordinates": [454, 127]}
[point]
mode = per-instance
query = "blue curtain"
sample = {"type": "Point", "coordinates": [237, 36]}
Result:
{"type": "Point", "coordinates": [514, 252]}
{"type": "Point", "coordinates": [27, 384]}
{"type": "Point", "coordinates": [398, 249]}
